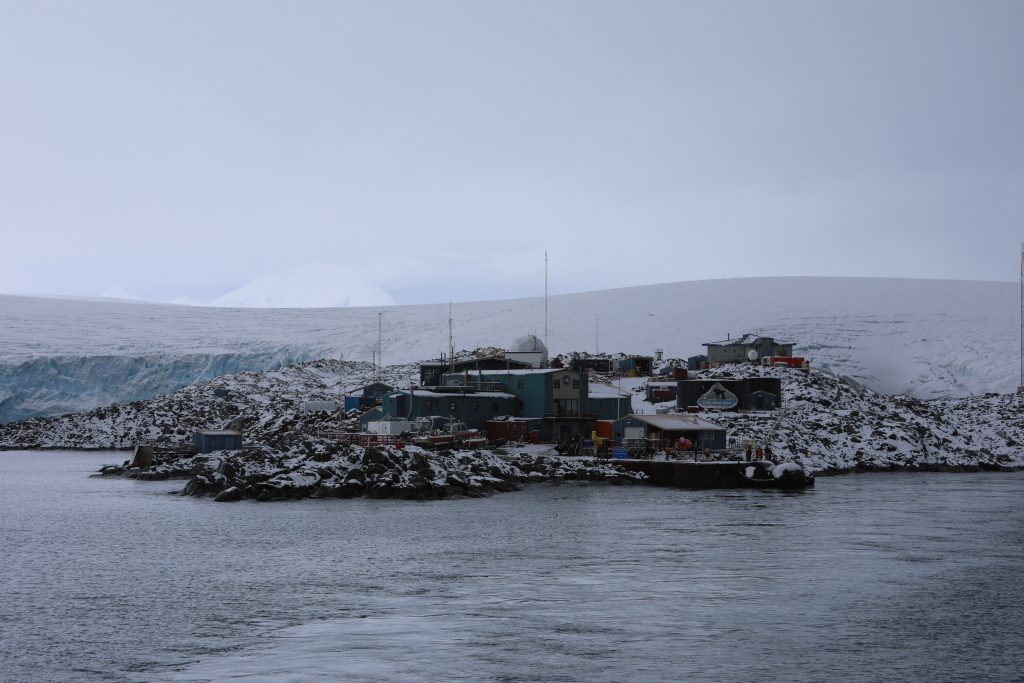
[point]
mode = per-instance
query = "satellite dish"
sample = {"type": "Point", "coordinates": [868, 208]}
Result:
{"type": "Point", "coordinates": [752, 354]}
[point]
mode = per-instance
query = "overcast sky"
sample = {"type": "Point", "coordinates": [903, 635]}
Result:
{"type": "Point", "coordinates": [436, 149]}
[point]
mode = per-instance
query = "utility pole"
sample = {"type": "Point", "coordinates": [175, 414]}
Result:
{"type": "Point", "coordinates": [546, 298]}
{"type": "Point", "coordinates": [650, 328]}
{"type": "Point", "coordinates": [380, 316]}
{"type": "Point", "coordinates": [451, 342]}
{"type": "Point", "coordinates": [1020, 387]}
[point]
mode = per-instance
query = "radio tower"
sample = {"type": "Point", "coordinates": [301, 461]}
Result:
{"type": "Point", "coordinates": [1020, 387]}
{"type": "Point", "coordinates": [451, 342]}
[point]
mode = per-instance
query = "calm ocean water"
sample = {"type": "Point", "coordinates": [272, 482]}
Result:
{"type": "Point", "coordinates": [910, 577]}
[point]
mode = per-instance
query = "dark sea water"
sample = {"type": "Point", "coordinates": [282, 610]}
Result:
{"type": "Point", "coordinates": [885, 577]}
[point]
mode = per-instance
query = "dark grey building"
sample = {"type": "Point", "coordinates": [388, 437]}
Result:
{"type": "Point", "coordinates": [584, 363]}
{"type": "Point", "coordinates": [367, 397]}
{"type": "Point", "coordinates": [729, 394]}
{"type": "Point", "coordinates": [474, 408]}
{"type": "Point", "coordinates": [432, 374]}
{"type": "Point", "coordinates": [750, 348]}
{"type": "Point", "coordinates": [608, 403]}
{"type": "Point", "coordinates": [207, 441]}
{"type": "Point", "coordinates": [698, 362]}
{"type": "Point", "coordinates": [665, 430]}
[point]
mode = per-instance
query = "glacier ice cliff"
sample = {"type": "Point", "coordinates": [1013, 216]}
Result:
{"type": "Point", "coordinates": [55, 385]}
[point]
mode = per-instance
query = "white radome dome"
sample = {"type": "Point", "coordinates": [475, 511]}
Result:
{"type": "Point", "coordinates": [528, 344]}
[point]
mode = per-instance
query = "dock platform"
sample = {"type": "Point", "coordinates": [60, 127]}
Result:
{"type": "Point", "coordinates": [689, 474]}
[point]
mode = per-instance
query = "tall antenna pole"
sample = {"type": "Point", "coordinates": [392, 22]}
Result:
{"type": "Point", "coordinates": [1020, 387]}
{"type": "Point", "coordinates": [380, 315]}
{"type": "Point", "coordinates": [545, 297]}
{"type": "Point", "coordinates": [451, 342]}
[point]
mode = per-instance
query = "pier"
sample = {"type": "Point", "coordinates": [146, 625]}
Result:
{"type": "Point", "coordinates": [689, 474]}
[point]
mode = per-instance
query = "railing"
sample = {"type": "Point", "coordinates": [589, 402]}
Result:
{"type": "Point", "coordinates": [358, 438]}
{"type": "Point", "coordinates": [468, 387]}
{"type": "Point", "coordinates": [576, 415]}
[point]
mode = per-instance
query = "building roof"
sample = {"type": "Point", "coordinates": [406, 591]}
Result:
{"type": "Point", "coordinates": [367, 386]}
{"type": "Point", "coordinates": [679, 423]}
{"type": "Point", "coordinates": [600, 390]}
{"type": "Point", "coordinates": [524, 371]}
{"type": "Point", "coordinates": [745, 340]}
{"type": "Point", "coordinates": [450, 394]}
{"type": "Point", "coordinates": [473, 361]}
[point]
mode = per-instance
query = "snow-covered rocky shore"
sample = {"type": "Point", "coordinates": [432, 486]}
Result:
{"type": "Point", "coordinates": [318, 468]}
{"type": "Point", "coordinates": [828, 425]}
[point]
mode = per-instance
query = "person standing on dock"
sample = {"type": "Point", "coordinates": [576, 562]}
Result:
{"type": "Point", "coordinates": [748, 453]}
{"type": "Point", "coordinates": [759, 453]}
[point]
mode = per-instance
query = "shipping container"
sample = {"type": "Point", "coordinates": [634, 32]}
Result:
{"type": "Point", "coordinates": [783, 361]}
{"type": "Point", "coordinates": [605, 428]}
{"type": "Point", "coordinates": [222, 440]}
{"type": "Point", "coordinates": [508, 430]}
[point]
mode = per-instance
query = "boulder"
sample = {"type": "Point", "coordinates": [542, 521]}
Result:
{"type": "Point", "coordinates": [228, 495]}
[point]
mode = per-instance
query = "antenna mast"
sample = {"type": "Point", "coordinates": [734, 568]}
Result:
{"type": "Point", "coordinates": [546, 296]}
{"type": "Point", "coordinates": [1020, 387]}
{"type": "Point", "coordinates": [451, 343]}
{"type": "Point", "coordinates": [380, 315]}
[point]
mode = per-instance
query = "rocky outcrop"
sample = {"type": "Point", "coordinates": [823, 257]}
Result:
{"type": "Point", "coordinates": [326, 471]}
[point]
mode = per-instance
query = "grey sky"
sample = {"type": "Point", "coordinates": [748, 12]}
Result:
{"type": "Point", "coordinates": [438, 148]}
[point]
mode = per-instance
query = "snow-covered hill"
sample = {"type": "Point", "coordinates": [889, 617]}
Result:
{"type": "Point", "coordinates": [315, 286]}
{"type": "Point", "coordinates": [925, 338]}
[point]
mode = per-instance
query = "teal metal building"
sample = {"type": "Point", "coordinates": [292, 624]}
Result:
{"type": "Point", "coordinates": [544, 392]}
{"type": "Point", "coordinates": [474, 408]}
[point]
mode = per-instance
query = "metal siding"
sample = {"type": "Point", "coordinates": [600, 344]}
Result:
{"type": "Point", "coordinates": [536, 395]}
{"type": "Point", "coordinates": [585, 393]}
{"type": "Point", "coordinates": [474, 419]}
{"type": "Point", "coordinates": [609, 408]}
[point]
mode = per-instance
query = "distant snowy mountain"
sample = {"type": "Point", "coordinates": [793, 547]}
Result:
{"type": "Point", "coordinates": [311, 287]}
{"type": "Point", "coordinates": [925, 338]}
{"type": "Point", "coordinates": [118, 293]}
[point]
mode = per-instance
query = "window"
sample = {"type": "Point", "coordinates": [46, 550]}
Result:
{"type": "Point", "coordinates": [429, 404]}
{"type": "Point", "coordinates": [519, 383]}
{"type": "Point", "coordinates": [474, 406]}
{"type": "Point", "coordinates": [575, 384]}
{"type": "Point", "coordinates": [451, 406]}
{"type": "Point", "coordinates": [557, 384]}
